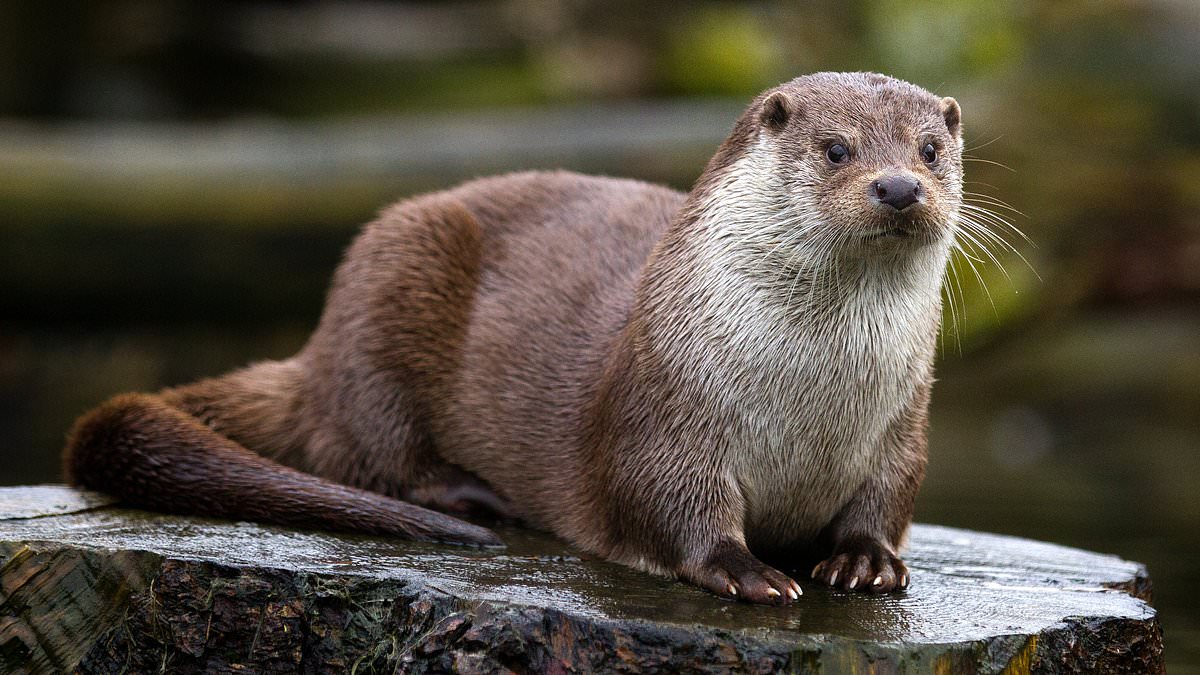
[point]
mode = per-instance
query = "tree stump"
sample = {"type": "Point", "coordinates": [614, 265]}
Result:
{"type": "Point", "coordinates": [87, 586]}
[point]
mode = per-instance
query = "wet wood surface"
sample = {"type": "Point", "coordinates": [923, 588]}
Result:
{"type": "Point", "coordinates": [86, 585]}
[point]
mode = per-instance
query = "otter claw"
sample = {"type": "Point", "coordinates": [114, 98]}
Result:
{"type": "Point", "coordinates": [733, 572]}
{"type": "Point", "coordinates": [863, 565]}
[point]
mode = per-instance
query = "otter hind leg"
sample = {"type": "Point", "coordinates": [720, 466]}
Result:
{"type": "Point", "coordinates": [455, 490]}
{"type": "Point", "coordinates": [260, 407]}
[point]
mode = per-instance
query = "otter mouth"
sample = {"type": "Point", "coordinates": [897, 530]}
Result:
{"type": "Point", "coordinates": [897, 232]}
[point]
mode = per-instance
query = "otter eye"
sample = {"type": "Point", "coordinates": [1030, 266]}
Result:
{"type": "Point", "coordinates": [837, 153]}
{"type": "Point", "coordinates": [929, 153]}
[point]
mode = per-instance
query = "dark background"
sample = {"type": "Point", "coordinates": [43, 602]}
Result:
{"type": "Point", "coordinates": [177, 181]}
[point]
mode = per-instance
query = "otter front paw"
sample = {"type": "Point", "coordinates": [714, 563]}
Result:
{"type": "Point", "coordinates": [732, 571]}
{"type": "Point", "coordinates": [864, 565]}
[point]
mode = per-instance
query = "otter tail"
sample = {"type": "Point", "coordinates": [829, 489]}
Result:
{"type": "Point", "coordinates": [150, 453]}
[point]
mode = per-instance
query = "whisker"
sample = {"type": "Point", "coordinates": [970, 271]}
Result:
{"type": "Point", "coordinates": [982, 284]}
{"type": "Point", "coordinates": [984, 145]}
{"type": "Point", "coordinates": [980, 182]}
{"type": "Point", "coordinates": [981, 198]}
{"type": "Point", "coordinates": [988, 161]}
{"type": "Point", "coordinates": [963, 252]}
{"type": "Point", "coordinates": [977, 244]}
{"type": "Point", "coordinates": [949, 293]}
{"type": "Point", "coordinates": [803, 252]}
{"type": "Point", "coordinates": [982, 229]}
{"type": "Point", "coordinates": [819, 255]}
{"type": "Point", "coordinates": [997, 220]}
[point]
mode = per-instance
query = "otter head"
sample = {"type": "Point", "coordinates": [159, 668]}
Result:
{"type": "Point", "coordinates": [862, 163]}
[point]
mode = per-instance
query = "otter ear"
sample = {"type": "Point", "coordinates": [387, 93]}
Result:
{"type": "Point", "coordinates": [953, 116]}
{"type": "Point", "coordinates": [776, 111]}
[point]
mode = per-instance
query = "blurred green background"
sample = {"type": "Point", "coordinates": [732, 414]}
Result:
{"type": "Point", "coordinates": [177, 181]}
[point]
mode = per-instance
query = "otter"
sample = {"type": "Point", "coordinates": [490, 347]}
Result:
{"type": "Point", "coordinates": [685, 383]}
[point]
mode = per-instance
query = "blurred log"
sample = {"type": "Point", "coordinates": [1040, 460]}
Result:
{"type": "Point", "coordinates": [120, 223]}
{"type": "Point", "coordinates": [90, 587]}
{"type": "Point", "coordinates": [280, 172]}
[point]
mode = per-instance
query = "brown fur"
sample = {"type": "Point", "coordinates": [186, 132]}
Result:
{"type": "Point", "coordinates": [570, 350]}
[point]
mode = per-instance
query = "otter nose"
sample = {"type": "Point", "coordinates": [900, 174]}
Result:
{"type": "Point", "coordinates": [899, 191]}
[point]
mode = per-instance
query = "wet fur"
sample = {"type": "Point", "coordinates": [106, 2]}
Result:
{"type": "Point", "coordinates": [661, 379]}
